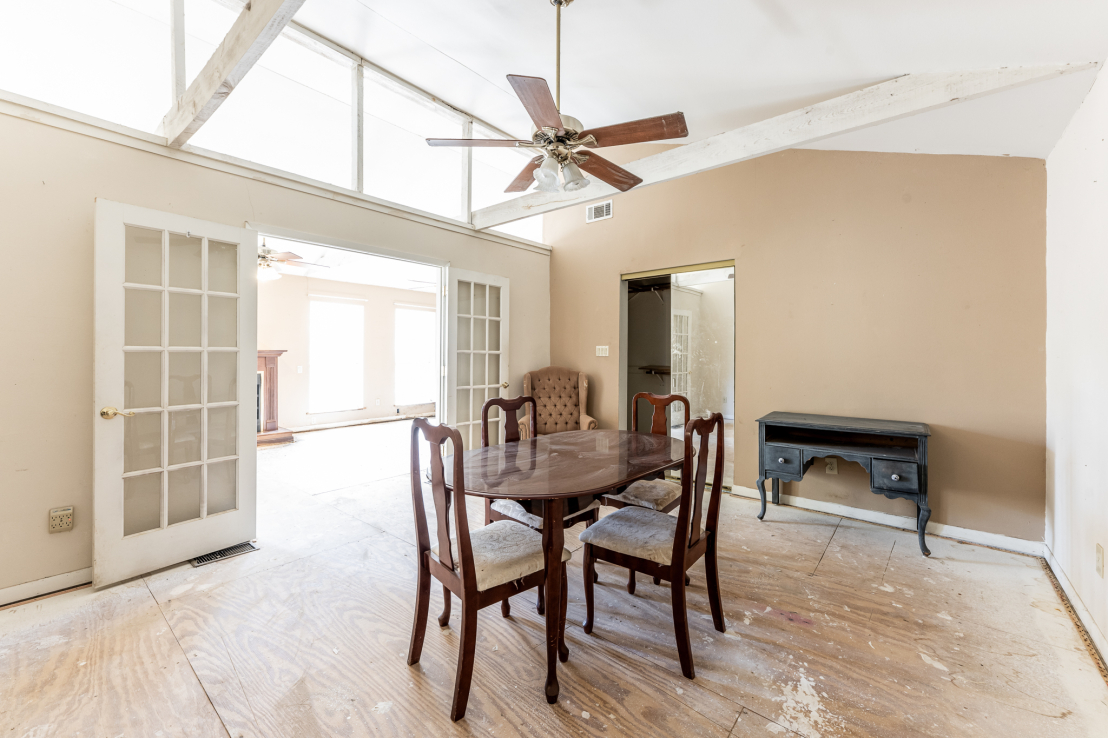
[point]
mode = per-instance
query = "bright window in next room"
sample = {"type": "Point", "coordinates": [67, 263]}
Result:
{"type": "Point", "coordinates": [417, 376]}
{"type": "Point", "coordinates": [336, 356]}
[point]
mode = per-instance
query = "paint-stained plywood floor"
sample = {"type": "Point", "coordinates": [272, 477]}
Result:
{"type": "Point", "coordinates": [835, 628]}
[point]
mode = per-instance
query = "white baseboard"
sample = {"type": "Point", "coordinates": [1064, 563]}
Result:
{"type": "Point", "coordinates": [39, 587]}
{"type": "Point", "coordinates": [996, 540]}
{"type": "Point", "coordinates": [1079, 608]}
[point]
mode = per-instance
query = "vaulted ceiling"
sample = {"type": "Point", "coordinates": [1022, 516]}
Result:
{"type": "Point", "coordinates": [727, 63]}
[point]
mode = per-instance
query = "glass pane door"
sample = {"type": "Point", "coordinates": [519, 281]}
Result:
{"type": "Point", "coordinates": [180, 358]}
{"type": "Point", "coordinates": [479, 304]}
{"type": "Point", "coordinates": [176, 345]}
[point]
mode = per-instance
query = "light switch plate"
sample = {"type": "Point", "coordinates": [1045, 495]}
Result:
{"type": "Point", "coordinates": [832, 466]}
{"type": "Point", "coordinates": [61, 519]}
{"type": "Point", "coordinates": [601, 350]}
{"type": "Point", "coordinates": [1100, 560]}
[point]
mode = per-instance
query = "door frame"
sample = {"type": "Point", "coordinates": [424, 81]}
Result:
{"type": "Point", "coordinates": [443, 265]}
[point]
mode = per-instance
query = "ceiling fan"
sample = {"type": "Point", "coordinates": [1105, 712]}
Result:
{"type": "Point", "coordinates": [269, 260]}
{"type": "Point", "coordinates": [563, 139]}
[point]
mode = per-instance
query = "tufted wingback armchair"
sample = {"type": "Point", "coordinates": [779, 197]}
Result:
{"type": "Point", "coordinates": [561, 396]}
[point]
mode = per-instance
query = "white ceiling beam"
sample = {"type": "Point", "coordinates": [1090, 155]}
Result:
{"type": "Point", "coordinates": [871, 106]}
{"type": "Point", "coordinates": [257, 26]}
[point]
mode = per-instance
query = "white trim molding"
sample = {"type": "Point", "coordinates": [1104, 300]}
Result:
{"type": "Point", "coordinates": [966, 535]}
{"type": "Point", "coordinates": [39, 587]}
{"type": "Point", "coordinates": [1079, 609]}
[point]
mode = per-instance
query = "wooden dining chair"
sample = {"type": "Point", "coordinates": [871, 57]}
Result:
{"type": "Point", "coordinates": [510, 509]}
{"type": "Point", "coordinates": [665, 546]}
{"type": "Point", "coordinates": [482, 567]}
{"type": "Point", "coordinates": [654, 494]}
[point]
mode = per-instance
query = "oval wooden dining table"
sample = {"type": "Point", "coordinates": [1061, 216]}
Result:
{"type": "Point", "coordinates": [553, 468]}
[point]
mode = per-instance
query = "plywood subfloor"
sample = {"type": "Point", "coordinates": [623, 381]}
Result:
{"type": "Point", "coordinates": [835, 628]}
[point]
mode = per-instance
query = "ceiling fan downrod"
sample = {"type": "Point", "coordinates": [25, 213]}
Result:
{"type": "Point", "coordinates": [558, 51]}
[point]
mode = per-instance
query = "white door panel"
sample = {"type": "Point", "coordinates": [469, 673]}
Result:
{"type": "Point", "coordinates": [176, 354]}
{"type": "Point", "coordinates": [477, 351]}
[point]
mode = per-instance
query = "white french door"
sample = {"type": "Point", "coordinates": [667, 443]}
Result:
{"type": "Point", "coordinates": [175, 372]}
{"type": "Point", "coordinates": [477, 351]}
{"type": "Point", "coordinates": [680, 329]}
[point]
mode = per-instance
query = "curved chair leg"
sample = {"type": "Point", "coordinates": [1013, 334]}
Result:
{"type": "Point", "coordinates": [688, 579]}
{"type": "Point", "coordinates": [711, 570]}
{"type": "Point", "coordinates": [657, 581]}
{"type": "Point", "coordinates": [540, 608]}
{"type": "Point", "coordinates": [563, 650]}
{"type": "Point", "coordinates": [467, 646]}
{"type": "Point", "coordinates": [505, 608]}
{"type": "Point", "coordinates": [419, 624]}
{"type": "Point", "coordinates": [681, 626]}
{"type": "Point", "coordinates": [631, 581]}
{"type": "Point", "coordinates": [444, 619]}
{"type": "Point", "coordinates": [588, 566]}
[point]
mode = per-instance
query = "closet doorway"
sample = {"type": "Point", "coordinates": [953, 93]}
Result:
{"type": "Point", "coordinates": [678, 337]}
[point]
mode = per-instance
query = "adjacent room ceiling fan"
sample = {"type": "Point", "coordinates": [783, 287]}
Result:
{"type": "Point", "coordinates": [562, 138]}
{"type": "Point", "coordinates": [269, 260]}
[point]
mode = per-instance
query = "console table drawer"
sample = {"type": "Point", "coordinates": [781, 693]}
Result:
{"type": "Point", "coordinates": [782, 459]}
{"type": "Point", "coordinates": [897, 476]}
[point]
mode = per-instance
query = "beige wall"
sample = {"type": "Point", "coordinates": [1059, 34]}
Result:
{"type": "Point", "coordinates": [894, 286]}
{"type": "Point", "coordinates": [283, 307]}
{"type": "Point", "coordinates": [1077, 353]}
{"type": "Point", "coordinates": [49, 180]}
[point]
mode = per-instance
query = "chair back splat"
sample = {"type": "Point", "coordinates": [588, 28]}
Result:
{"type": "Point", "coordinates": [694, 475]}
{"type": "Point", "coordinates": [658, 424]}
{"type": "Point", "coordinates": [436, 436]}
{"type": "Point", "coordinates": [511, 422]}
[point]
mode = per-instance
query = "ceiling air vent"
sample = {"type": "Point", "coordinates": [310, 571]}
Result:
{"type": "Point", "coordinates": [600, 211]}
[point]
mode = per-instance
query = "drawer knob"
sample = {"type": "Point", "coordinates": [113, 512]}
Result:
{"type": "Point", "coordinates": [781, 461]}
{"type": "Point", "coordinates": [896, 477]}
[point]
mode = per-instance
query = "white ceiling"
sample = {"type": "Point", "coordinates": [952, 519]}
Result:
{"type": "Point", "coordinates": [727, 63]}
{"type": "Point", "coordinates": [340, 265]}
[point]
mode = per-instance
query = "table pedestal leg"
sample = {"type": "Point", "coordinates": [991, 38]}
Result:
{"type": "Point", "coordinates": [553, 537]}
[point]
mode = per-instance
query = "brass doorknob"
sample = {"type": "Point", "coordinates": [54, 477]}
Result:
{"type": "Point", "coordinates": [504, 385]}
{"type": "Point", "coordinates": [107, 413]}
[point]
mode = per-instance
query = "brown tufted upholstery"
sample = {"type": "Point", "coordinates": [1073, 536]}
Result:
{"type": "Point", "coordinates": [562, 396]}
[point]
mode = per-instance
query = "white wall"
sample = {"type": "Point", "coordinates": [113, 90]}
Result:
{"type": "Point", "coordinates": [49, 180]}
{"type": "Point", "coordinates": [283, 307]}
{"type": "Point", "coordinates": [1077, 351]}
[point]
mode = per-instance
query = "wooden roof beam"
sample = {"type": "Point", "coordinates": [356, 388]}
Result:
{"type": "Point", "coordinates": [871, 106]}
{"type": "Point", "coordinates": [257, 26]}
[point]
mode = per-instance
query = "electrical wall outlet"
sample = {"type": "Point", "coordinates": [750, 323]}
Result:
{"type": "Point", "coordinates": [601, 350]}
{"type": "Point", "coordinates": [1100, 560]}
{"type": "Point", "coordinates": [61, 518]}
{"type": "Point", "coordinates": [832, 466]}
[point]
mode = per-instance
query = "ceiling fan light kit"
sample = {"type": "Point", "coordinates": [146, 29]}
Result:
{"type": "Point", "coordinates": [563, 139]}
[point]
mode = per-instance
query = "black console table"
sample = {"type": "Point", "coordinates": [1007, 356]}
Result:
{"type": "Point", "coordinates": [893, 452]}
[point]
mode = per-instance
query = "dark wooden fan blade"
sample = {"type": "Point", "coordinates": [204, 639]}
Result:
{"type": "Point", "coordinates": [535, 95]}
{"type": "Point", "coordinates": [605, 170]}
{"type": "Point", "coordinates": [473, 142]}
{"type": "Point", "coordinates": [640, 131]}
{"type": "Point", "coordinates": [285, 256]}
{"type": "Point", "coordinates": [525, 179]}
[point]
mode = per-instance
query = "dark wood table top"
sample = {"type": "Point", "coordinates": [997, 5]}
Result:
{"type": "Point", "coordinates": [566, 464]}
{"type": "Point", "coordinates": [836, 422]}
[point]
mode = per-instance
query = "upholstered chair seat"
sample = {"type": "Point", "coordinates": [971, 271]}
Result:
{"type": "Point", "coordinates": [653, 494]}
{"type": "Point", "coordinates": [516, 511]}
{"type": "Point", "coordinates": [561, 397]}
{"type": "Point", "coordinates": [635, 531]}
{"type": "Point", "coordinates": [503, 552]}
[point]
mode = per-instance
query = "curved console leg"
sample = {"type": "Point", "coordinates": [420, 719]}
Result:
{"type": "Point", "coordinates": [761, 484]}
{"type": "Point", "coordinates": [921, 527]}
